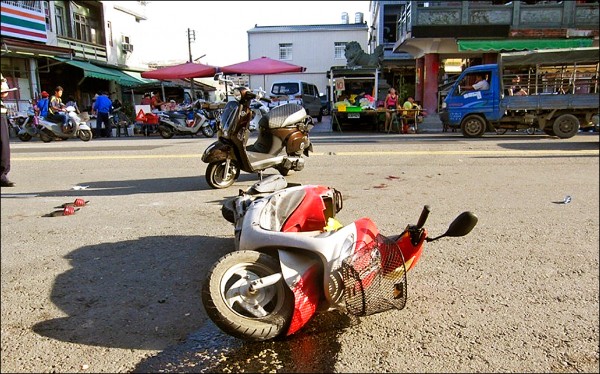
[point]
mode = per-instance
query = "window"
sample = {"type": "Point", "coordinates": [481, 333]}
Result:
{"type": "Point", "coordinates": [285, 51]}
{"type": "Point", "coordinates": [59, 14]}
{"type": "Point", "coordinates": [285, 89]}
{"type": "Point", "coordinates": [83, 30]}
{"type": "Point", "coordinates": [339, 50]}
{"type": "Point", "coordinates": [47, 15]}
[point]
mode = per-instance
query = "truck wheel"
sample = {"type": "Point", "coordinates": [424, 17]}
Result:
{"type": "Point", "coordinates": [565, 126]}
{"type": "Point", "coordinates": [473, 126]}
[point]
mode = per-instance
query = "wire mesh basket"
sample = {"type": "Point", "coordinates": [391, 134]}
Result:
{"type": "Point", "coordinates": [374, 278]}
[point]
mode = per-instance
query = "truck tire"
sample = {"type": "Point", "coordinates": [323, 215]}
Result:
{"type": "Point", "coordinates": [473, 126]}
{"type": "Point", "coordinates": [565, 126]}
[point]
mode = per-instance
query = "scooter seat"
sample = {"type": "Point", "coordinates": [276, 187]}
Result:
{"type": "Point", "coordinates": [176, 114]}
{"type": "Point", "coordinates": [280, 116]}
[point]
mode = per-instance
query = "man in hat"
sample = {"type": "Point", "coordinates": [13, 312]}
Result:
{"type": "Point", "coordinates": [5, 152]}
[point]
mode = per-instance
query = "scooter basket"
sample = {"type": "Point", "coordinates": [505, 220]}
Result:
{"type": "Point", "coordinates": [374, 278]}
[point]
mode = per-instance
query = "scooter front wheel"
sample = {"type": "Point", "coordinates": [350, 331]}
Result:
{"type": "Point", "coordinates": [85, 135]}
{"type": "Point", "coordinates": [258, 314]}
{"type": "Point", "coordinates": [215, 174]}
{"type": "Point", "coordinates": [208, 131]}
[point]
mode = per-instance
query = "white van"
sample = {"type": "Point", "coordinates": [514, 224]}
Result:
{"type": "Point", "coordinates": [297, 92]}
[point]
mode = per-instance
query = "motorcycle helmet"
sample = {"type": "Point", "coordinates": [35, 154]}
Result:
{"type": "Point", "coordinates": [45, 94]}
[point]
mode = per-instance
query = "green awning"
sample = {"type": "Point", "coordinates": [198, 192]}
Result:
{"type": "Point", "coordinates": [138, 76]}
{"type": "Point", "coordinates": [90, 70]}
{"type": "Point", "coordinates": [521, 44]}
{"type": "Point", "coordinates": [125, 79]}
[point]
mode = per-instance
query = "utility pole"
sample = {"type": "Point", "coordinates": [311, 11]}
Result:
{"type": "Point", "coordinates": [191, 37]}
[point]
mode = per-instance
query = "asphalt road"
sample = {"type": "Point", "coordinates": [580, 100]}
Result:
{"type": "Point", "coordinates": [115, 287]}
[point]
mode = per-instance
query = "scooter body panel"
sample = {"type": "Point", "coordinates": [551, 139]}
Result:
{"type": "Point", "coordinates": [217, 151]}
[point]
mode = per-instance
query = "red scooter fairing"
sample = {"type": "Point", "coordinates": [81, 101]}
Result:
{"type": "Point", "coordinates": [373, 257]}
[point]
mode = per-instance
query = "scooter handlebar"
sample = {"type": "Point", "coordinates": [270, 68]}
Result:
{"type": "Point", "coordinates": [423, 217]}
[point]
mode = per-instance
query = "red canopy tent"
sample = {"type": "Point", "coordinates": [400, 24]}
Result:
{"type": "Point", "coordinates": [263, 65]}
{"type": "Point", "coordinates": [182, 71]}
{"type": "Point", "coordinates": [188, 70]}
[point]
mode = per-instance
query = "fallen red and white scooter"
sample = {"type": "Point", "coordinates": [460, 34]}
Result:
{"type": "Point", "coordinates": [293, 258]}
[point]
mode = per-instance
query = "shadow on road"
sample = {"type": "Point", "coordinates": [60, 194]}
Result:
{"type": "Point", "coordinates": [138, 186]}
{"type": "Point", "coordinates": [139, 294]}
{"type": "Point", "coordinates": [145, 294]}
{"type": "Point", "coordinates": [557, 145]}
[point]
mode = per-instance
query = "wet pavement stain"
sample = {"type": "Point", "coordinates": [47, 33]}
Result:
{"type": "Point", "coordinates": [208, 350]}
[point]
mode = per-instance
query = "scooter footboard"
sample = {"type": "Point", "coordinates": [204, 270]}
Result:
{"type": "Point", "coordinates": [374, 278]}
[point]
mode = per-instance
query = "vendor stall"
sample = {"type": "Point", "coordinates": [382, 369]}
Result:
{"type": "Point", "coordinates": [354, 94]}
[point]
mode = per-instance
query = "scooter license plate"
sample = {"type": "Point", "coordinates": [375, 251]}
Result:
{"type": "Point", "coordinates": [353, 115]}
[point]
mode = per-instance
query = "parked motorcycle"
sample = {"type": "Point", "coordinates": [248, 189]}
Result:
{"type": "Point", "coordinates": [282, 141]}
{"type": "Point", "coordinates": [47, 130]}
{"type": "Point", "coordinates": [293, 258]}
{"type": "Point", "coordinates": [24, 125]}
{"type": "Point", "coordinates": [259, 107]}
{"type": "Point", "coordinates": [190, 120]}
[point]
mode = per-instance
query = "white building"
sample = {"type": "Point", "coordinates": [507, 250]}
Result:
{"type": "Point", "coordinates": [315, 47]}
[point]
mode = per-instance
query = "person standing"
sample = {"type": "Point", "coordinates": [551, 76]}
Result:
{"type": "Point", "coordinates": [391, 104]}
{"type": "Point", "coordinates": [156, 103]}
{"type": "Point", "coordinates": [146, 100]}
{"type": "Point", "coordinates": [4, 135]}
{"type": "Point", "coordinates": [102, 107]}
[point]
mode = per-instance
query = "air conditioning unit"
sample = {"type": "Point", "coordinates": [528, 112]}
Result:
{"type": "Point", "coordinates": [127, 47]}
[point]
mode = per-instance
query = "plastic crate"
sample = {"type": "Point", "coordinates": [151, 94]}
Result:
{"type": "Point", "coordinates": [341, 108]}
{"type": "Point", "coordinates": [353, 109]}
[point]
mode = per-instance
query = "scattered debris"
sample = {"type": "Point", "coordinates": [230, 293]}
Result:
{"type": "Point", "coordinates": [77, 188]}
{"type": "Point", "coordinates": [77, 202]}
{"type": "Point", "coordinates": [66, 211]}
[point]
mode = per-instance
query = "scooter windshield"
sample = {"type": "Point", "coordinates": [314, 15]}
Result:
{"type": "Point", "coordinates": [229, 114]}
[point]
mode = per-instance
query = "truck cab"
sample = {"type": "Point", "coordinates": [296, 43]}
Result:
{"type": "Point", "coordinates": [462, 103]}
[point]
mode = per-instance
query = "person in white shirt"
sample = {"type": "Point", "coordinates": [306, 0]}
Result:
{"type": "Point", "coordinates": [479, 85]}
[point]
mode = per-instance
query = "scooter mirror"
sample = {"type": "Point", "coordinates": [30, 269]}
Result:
{"type": "Point", "coordinates": [461, 226]}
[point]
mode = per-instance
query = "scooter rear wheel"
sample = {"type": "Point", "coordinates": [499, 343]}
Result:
{"type": "Point", "coordinates": [256, 315]}
{"type": "Point", "coordinates": [45, 137]}
{"type": "Point", "coordinates": [166, 132]}
{"type": "Point", "coordinates": [215, 174]}
{"type": "Point", "coordinates": [24, 137]}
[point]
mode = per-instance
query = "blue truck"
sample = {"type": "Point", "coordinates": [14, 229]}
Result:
{"type": "Point", "coordinates": [555, 91]}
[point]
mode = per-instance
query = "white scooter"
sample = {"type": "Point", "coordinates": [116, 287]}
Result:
{"type": "Point", "coordinates": [75, 128]}
{"type": "Point", "coordinates": [189, 120]}
{"type": "Point", "coordinates": [293, 258]}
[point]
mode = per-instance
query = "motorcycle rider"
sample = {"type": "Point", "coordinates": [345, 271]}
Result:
{"type": "Point", "coordinates": [57, 110]}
